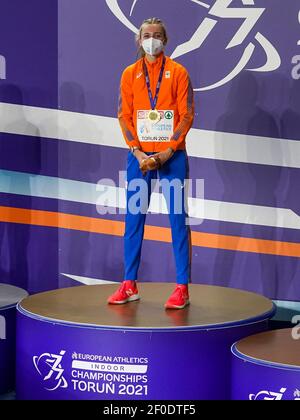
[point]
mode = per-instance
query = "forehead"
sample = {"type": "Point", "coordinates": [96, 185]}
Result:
{"type": "Point", "coordinates": [152, 28]}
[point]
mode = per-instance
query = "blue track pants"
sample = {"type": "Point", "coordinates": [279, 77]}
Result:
{"type": "Point", "coordinates": [138, 194]}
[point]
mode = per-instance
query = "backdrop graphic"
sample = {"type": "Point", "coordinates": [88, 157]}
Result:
{"type": "Point", "coordinates": [59, 84]}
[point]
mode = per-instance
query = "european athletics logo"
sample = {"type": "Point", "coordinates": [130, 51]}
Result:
{"type": "Point", "coordinates": [50, 369]}
{"type": "Point", "coordinates": [220, 10]}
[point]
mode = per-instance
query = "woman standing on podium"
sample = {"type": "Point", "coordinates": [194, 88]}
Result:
{"type": "Point", "coordinates": [156, 111]}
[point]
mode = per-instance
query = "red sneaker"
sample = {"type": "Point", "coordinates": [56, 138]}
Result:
{"type": "Point", "coordinates": [127, 292]}
{"type": "Point", "coordinates": [179, 299]}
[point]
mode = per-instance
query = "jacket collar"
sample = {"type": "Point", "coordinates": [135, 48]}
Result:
{"type": "Point", "coordinates": [157, 62]}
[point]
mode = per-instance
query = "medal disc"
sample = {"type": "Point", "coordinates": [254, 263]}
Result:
{"type": "Point", "coordinates": [154, 116]}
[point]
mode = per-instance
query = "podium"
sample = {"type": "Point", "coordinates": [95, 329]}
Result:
{"type": "Point", "coordinates": [9, 297]}
{"type": "Point", "coordinates": [266, 366]}
{"type": "Point", "coordinates": [72, 345]}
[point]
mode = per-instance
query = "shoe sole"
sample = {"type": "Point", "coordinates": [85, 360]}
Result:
{"type": "Point", "coordinates": [177, 307]}
{"type": "Point", "coordinates": [121, 302]}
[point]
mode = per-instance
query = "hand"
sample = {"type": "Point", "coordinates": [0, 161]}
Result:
{"type": "Point", "coordinates": [165, 155]}
{"type": "Point", "coordinates": [150, 164]}
{"type": "Point", "coordinates": [140, 156]}
{"type": "Point", "coordinates": [155, 161]}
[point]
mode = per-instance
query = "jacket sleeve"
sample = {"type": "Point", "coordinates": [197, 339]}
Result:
{"type": "Point", "coordinates": [125, 110]}
{"type": "Point", "coordinates": [186, 109]}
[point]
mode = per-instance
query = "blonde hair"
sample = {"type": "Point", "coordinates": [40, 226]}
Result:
{"type": "Point", "coordinates": [150, 21]}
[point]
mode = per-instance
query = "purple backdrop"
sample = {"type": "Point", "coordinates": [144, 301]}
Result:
{"type": "Point", "coordinates": [69, 57]}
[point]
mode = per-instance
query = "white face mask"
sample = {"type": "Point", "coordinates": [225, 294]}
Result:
{"type": "Point", "coordinates": [152, 46]}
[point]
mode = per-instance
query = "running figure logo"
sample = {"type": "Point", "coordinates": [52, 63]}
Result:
{"type": "Point", "coordinates": [268, 395]}
{"type": "Point", "coordinates": [248, 15]}
{"type": "Point", "coordinates": [50, 369]}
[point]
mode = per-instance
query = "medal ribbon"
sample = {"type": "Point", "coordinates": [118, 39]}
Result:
{"type": "Point", "coordinates": [153, 101]}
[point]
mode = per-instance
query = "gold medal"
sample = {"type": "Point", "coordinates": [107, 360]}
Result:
{"type": "Point", "coordinates": [154, 116]}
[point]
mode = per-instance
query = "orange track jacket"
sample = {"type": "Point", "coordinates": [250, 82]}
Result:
{"type": "Point", "coordinates": [176, 94]}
